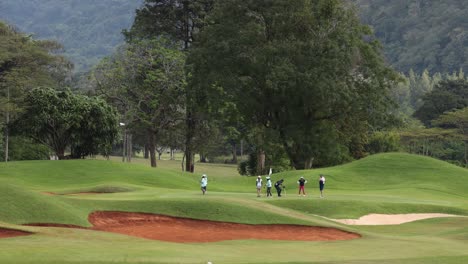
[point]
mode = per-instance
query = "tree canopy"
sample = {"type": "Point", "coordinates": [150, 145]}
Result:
{"type": "Point", "coordinates": [89, 30]}
{"type": "Point", "coordinates": [25, 63]}
{"type": "Point", "coordinates": [146, 80]}
{"type": "Point", "coordinates": [420, 34]}
{"type": "Point", "coordinates": [446, 96]}
{"type": "Point", "coordinates": [61, 119]}
{"type": "Point", "coordinates": [304, 69]}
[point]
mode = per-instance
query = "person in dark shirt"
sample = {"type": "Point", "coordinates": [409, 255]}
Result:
{"type": "Point", "coordinates": [278, 186]}
{"type": "Point", "coordinates": [321, 184]}
{"type": "Point", "coordinates": [301, 183]}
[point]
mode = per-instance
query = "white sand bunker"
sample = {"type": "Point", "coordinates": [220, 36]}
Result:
{"type": "Point", "coordinates": [394, 219]}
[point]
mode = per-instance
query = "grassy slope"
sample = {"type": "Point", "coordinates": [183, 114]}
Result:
{"type": "Point", "coordinates": [387, 183]}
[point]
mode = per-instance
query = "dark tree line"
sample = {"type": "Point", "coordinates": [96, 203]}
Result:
{"type": "Point", "coordinates": [302, 80]}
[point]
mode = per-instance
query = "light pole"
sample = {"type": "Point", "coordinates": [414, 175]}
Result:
{"type": "Point", "coordinates": [124, 140]}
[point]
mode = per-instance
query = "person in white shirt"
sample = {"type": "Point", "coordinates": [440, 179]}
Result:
{"type": "Point", "coordinates": [259, 185]}
{"type": "Point", "coordinates": [321, 184]}
{"type": "Point", "coordinates": [268, 186]}
{"type": "Point", "coordinates": [203, 183]}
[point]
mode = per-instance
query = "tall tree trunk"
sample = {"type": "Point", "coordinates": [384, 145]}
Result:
{"type": "Point", "coordinates": [234, 153]}
{"type": "Point", "coordinates": [260, 162]}
{"type": "Point", "coordinates": [124, 144]}
{"type": "Point", "coordinates": [189, 141]}
{"type": "Point", "coordinates": [152, 149]}
{"type": "Point", "coordinates": [60, 153]}
{"type": "Point", "coordinates": [242, 149]}
{"type": "Point", "coordinates": [146, 154]}
{"type": "Point", "coordinates": [308, 163]}
{"type": "Point", "coordinates": [129, 147]}
{"type": "Point", "coordinates": [182, 163]}
{"type": "Point", "coordinates": [202, 158]}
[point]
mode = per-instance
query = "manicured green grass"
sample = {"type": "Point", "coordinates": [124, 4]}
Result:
{"type": "Point", "coordinates": [387, 183]}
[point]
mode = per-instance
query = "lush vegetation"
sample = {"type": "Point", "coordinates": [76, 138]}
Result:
{"type": "Point", "coordinates": [292, 85]}
{"type": "Point", "coordinates": [418, 34]}
{"type": "Point", "coordinates": [246, 79]}
{"type": "Point", "coordinates": [89, 30]}
{"type": "Point", "coordinates": [384, 183]}
{"type": "Point", "coordinates": [53, 118]}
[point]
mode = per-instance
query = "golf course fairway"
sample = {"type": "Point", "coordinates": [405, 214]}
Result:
{"type": "Point", "coordinates": [93, 211]}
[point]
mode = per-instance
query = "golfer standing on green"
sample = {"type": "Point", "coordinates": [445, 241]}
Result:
{"type": "Point", "coordinates": [203, 183]}
{"type": "Point", "coordinates": [259, 185]}
{"type": "Point", "coordinates": [321, 184]}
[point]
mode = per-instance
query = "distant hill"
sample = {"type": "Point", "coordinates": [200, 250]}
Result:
{"type": "Point", "coordinates": [416, 34]}
{"type": "Point", "coordinates": [89, 29]}
{"type": "Point", "coordinates": [420, 34]}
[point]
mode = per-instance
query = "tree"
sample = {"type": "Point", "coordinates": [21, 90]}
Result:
{"type": "Point", "coordinates": [427, 141]}
{"type": "Point", "coordinates": [459, 120]}
{"type": "Point", "coordinates": [180, 21]}
{"type": "Point", "coordinates": [151, 93]}
{"type": "Point", "coordinates": [446, 96]}
{"type": "Point", "coordinates": [61, 119]}
{"type": "Point", "coordinates": [25, 63]}
{"type": "Point", "coordinates": [302, 69]}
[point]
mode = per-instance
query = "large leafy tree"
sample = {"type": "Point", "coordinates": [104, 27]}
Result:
{"type": "Point", "coordinates": [305, 69]}
{"type": "Point", "coordinates": [180, 20]}
{"type": "Point", "coordinates": [25, 63]}
{"type": "Point", "coordinates": [62, 119]}
{"type": "Point", "coordinates": [147, 82]}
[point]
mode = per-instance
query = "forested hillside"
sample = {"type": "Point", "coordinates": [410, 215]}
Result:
{"type": "Point", "coordinates": [416, 34]}
{"type": "Point", "coordinates": [420, 34]}
{"type": "Point", "coordinates": [88, 29]}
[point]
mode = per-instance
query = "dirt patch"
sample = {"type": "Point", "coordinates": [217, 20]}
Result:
{"type": "Point", "coordinates": [176, 229]}
{"type": "Point", "coordinates": [185, 230]}
{"type": "Point", "coordinates": [386, 219]}
{"type": "Point", "coordinates": [55, 225]}
{"type": "Point", "coordinates": [4, 233]}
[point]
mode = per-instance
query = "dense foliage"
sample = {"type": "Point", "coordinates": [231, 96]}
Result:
{"type": "Point", "coordinates": [25, 63]}
{"type": "Point", "coordinates": [180, 21]}
{"type": "Point", "coordinates": [420, 34]}
{"type": "Point", "coordinates": [89, 30]}
{"type": "Point", "coordinates": [146, 82]}
{"type": "Point", "coordinates": [61, 120]}
{"type": "Point", "coordinates": [300, 74]}
{"type": "Point", "coordinates": [446, 96]}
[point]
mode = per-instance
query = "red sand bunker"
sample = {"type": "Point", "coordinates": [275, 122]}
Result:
{"type": "Point", "coordinates": [174, 229]}
{"type": "Point", "coordinates": [12, 233]}
{"type": "Point", "coordinates": [185, 230]}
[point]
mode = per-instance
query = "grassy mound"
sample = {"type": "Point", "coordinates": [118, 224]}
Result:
{"type": "Point", "coordinates": [21, 206]}
{"type": "Point", "coordinates": [398, 171]}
